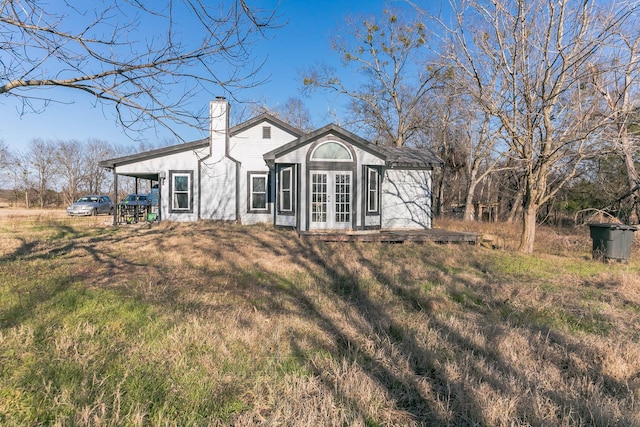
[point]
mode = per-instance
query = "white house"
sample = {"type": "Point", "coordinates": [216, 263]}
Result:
{"type": "Point", "coordinates": [264, 170]}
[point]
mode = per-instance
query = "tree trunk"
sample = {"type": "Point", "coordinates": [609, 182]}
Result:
{"type": "Point", "coordinates": [469, 212]}
{"type": "Point", "coordinates": [531, 195]}
{"type": "Point", "coordinates": [528, 236]}
{"type": "Point", "coordinates": [515, 208]}
{"type": "Point", "coordinates": [440, 194]}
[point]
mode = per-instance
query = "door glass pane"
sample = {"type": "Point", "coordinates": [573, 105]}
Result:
{"type": "Point", "coordinates": [319, 197]}
{"type": "Point", "coordinates": [286, 200]}
{"type": "Point", "coordinates": [286, 179]}
{"type": "Point", "coordinates": [342, 197]}
{"type": "Point", "coordinates": [285, 190]}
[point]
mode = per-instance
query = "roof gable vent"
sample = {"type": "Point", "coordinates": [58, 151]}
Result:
{"type": "Point", "coordinates": [266, 132]}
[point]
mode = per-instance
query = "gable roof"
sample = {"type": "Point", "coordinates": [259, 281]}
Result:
{"type": "Point", "coordinates": [201, 143]}
{"type": "Point", "coordinates": [267, 118]}
{"type": "Point", "coordinates": [310, 137]}
{"type": "Point", "coordinates": [395, 157]}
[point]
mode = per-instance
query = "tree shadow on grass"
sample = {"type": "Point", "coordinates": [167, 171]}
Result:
{"type": "Point", "coordinates": [369, 334]}
{"type": "Point", "coordinates": [488, 366]}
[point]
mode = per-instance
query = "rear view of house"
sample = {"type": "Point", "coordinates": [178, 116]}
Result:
{"type": "Point", "coordinates": [264, 170]}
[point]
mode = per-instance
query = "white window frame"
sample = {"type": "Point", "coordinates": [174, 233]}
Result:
{"type": "Point", "coordinates": [282, 190]}
{"type": "Point", "coordinates": [373, 194]}
{"type": "Point", "coordinates": [188, 192]}
{"type": "Point", "coordinates": [251, 207]}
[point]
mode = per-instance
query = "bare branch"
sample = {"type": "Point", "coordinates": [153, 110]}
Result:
{"type": "Point", "coordinates": [112, 54]}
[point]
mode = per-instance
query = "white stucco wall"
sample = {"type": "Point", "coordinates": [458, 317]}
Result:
{"type": "Point", "coordinates": [406, 199]}
{"type": "Point", "coordinates": [218, 189]}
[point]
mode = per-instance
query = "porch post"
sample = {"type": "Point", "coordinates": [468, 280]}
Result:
{"type": "Point", "coordinates": [115, 195]}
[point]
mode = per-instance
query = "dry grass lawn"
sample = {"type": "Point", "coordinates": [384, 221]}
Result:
{"type": "Point", "coordinates": [220, 324]}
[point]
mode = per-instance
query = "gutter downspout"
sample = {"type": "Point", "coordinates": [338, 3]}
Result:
{"type": "Point", "coordinates": [200, 161]}
{"type": "Point", "coordinates": [238, 167]}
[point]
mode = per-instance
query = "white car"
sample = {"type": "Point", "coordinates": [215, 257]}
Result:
{"type": "Point", "coordinates": [93, 204]}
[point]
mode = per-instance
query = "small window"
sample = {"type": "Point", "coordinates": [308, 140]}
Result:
{"type": "Point", "coordinates": [181, 190]}
{"type": "Point", "coordinates": [372, 191]}
{"type": "Point", "coordinates": [258, 191]}
{"type": "Point", "coordinates": [266, 132]}
{"type": "Point", "coordinates": [286, 186]}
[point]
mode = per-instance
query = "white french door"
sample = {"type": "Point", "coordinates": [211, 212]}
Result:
{"type": "Point", "coordinates": [330, 200]}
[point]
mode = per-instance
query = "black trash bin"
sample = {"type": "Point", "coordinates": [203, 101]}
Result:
{"type": "Point", "coordinates": [612, 241]}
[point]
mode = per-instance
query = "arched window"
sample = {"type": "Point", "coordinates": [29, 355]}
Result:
{"type": "Point", "coordinates": [331, 151]}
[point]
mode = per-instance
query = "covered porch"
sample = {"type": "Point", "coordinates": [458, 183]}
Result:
{"type": "Point", "coordinates": [136, 211]}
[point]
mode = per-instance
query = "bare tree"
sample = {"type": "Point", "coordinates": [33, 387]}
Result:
{"type": "Point", "coordinates": [36, 170]}
{"type": "Point", "coordinates": [465, 137]}
{"type": "Point", "coordinates": [526, 62]}
{"type": "Point", "coordinates": [71, 168]}
{"type": "Point", "coordinates": [97, 180]}
{"type": "Point", "coordinates": [293, 112]}
{"type": "Point", "coordinates": [134, 55]}
{"type": "Point", "coordinates": [391, 55]}
{"type": "Point", "coordinates": [618, 81]}
{"type": "Point", "coordinates": [5, 161]}
{"type": "Point", "coordinates": [22, 177]}
{"type": "Point", "coordinates": [296, 113]}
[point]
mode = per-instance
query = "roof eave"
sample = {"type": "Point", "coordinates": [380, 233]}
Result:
{"type": "Point", "coordinates": [409, 165]}
{"type": "Point", "coordinates": [159, 152]}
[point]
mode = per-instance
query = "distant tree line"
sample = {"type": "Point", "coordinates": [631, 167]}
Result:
{"type": "Point", "coordinates": [54, 173]}
{"type": "Point", "coordinates": [533, 105]}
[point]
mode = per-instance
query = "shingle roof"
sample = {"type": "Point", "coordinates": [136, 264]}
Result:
{"type": "Point", "coordinates": [412, 157]}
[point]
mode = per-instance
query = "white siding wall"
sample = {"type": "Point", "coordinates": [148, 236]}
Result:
{"type": "Point", "coordinates": [372, 220]}
{"type": "Point", "coordinates": [406, 199]}
{"type": "Point", "coordinates": [286, 220]}
{"type": "Point", "coordinates": [248, 147]}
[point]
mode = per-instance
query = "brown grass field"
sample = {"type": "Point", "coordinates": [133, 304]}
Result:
{"type": "Point", "coordinates": [222, 324]}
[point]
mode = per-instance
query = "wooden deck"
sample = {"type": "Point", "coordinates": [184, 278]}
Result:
{"type": "Point", "coordinates": [394, 236]}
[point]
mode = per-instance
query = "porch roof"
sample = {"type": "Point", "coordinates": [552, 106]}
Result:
{"type": "Point", "coordinates": [151, 154]}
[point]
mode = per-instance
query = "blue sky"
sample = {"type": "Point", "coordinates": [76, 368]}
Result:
{"type": "Point", "coordinates": [302, 42]}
